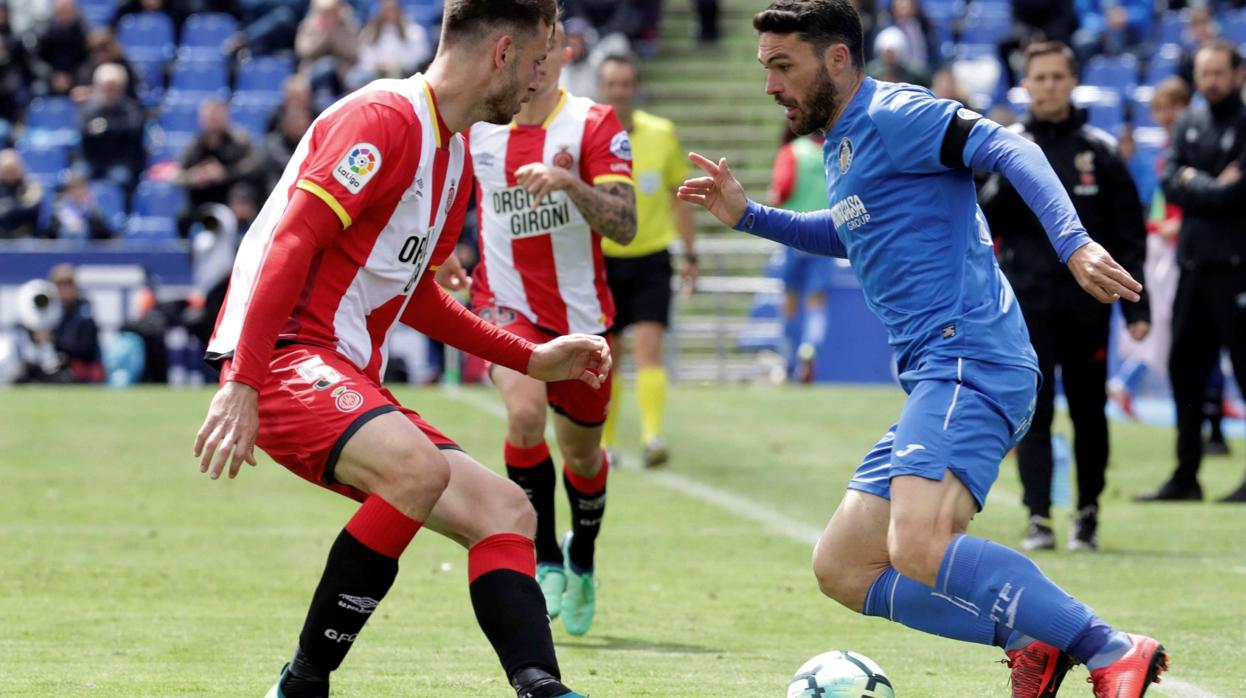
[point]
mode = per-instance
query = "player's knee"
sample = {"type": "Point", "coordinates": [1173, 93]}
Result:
{"type": "Point", "coordinates": [839, 579]}
{"type": "Point", "coordinates": [583, 461]}
{"type": "Point", "coordinates": [915, 554]}
{"type": "Point", "coordinates": [517, 514]}
{"type": "Point", "coordinates": [528, 422]}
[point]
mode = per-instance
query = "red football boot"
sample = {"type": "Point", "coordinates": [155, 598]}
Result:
{"type": "Point", "coordinates": [1037, 670]}
{"type": "Point", "coordinates": [1134, 672]}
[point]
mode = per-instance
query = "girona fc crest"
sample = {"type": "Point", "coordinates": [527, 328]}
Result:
{"type": "Point", "coordinates": [563, 159]}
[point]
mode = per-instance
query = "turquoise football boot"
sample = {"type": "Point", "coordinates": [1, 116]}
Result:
{"type": "Point", "coordinates": [579, 604]}
{"type": "Point", "coordinates": [553, 582]}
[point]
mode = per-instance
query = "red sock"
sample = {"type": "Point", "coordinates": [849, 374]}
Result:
{"type": "Point", "coordinates": [382, 528]}
{"type": "Point", "coordinates": [503, 551]}
{"type": "Point", "coordinates": [525, 456]}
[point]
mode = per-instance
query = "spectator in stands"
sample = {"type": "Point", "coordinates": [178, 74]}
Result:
{"type": "Point", "coordinates": [219, 158]}
{"type": "Point", "coordinates": [112, 130]}
{"type": "Point", "coordinates": [605, 16]}
{"type": "Point", "coordinates": [15, 77]}
{"type": "Point", "coordinates": [177, 10]}
{"type": "Point", "coordinates": [244, 204]}
{"type": "Point", "coordinates": [75, 215]}
{"type": "Point", "coordinates": [296, 94]}
{"type": "Point", "coordinates": [61, 48]}
{"type": "Point", "coordinates": [26, 16]}
{"type": "Point", "coordinates": [1045, 20]}
{"type": "Point", "coordinates": [945, 86]}
{"type": "Point", "coordinates": [1112, 26]}
{"type": "Point", "coordinates": [76, 337]}
{"type": "Point", "coordinates": [579, 75]}
{"type": "Point", "coordinates": [269, 26]}
{"type": "Point", "coordinates": [1203, 175]}
{"type": "Point", "coordinates": [892, 64]}
{"type": "Point", "coordinates": [328, 46]}
{"type": "Point", "coordinates": [922, 49]}
{"type": "Point", "coordinates": [1068, 328]}
{"type": "Point", "coordinates": [103, 47]}
{"type": "Point", "coordinates": [1202, 28]}
{"type": "Point", "coordinates": [20, 197]}
{"type": "Point", "coordinates": [279, 145]}
{"type": "Point", "coordinates": [391, 46]}
{"type": "Point", "coordinates": [707, 20]}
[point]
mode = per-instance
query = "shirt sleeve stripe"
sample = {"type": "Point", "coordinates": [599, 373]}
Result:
{"type": "Point", "coordinates": [320, 193]}
{"type": "Point", "coordinates": [606, 178]}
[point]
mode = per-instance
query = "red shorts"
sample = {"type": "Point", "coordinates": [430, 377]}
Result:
{"type": "Point", "coordinates": [312, 402]}
{"type": "Point", "coordinates": [573, 399]}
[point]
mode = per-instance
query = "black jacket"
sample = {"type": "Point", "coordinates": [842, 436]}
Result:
{"type": "Point", "coordinates": [1087, 162]}
{"type": "Point", "coordinates": [1213, 229]}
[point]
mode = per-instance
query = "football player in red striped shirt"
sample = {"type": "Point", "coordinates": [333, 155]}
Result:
{"type": "Point", "coordinates": [369, 206]}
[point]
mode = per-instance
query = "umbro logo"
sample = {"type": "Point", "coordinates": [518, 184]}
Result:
{"type": "Point", "coordinates": [358, 604]}
{"type": "Point", "coordinates": [909, 450]}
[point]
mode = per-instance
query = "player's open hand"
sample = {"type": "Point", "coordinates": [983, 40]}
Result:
{"type": "Point", "coordinates": [228, 434]}
{"type": "Point", "coordinates": [1101, 276]}
{"type": "Point", "coordinates": [583, 357]}
{"type": "Point", "coordinates": [720, 193]}
{"type": "Point", "coordinates": [541, 180]}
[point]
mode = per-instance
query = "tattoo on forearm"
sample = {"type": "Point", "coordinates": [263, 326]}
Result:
{"type": "Point", "coordinates": [610, 209]}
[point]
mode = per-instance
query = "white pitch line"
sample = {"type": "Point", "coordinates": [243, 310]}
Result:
{"type": "Point", "coordinates": [772, 520]}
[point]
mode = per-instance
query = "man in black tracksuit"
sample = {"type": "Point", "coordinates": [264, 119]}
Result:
{"type": "Point", "coordinates": [1068, 328]}
{"type": "Point", "coordinates": [1203, 175]}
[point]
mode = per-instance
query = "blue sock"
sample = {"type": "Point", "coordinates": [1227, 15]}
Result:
{"type": "Point", "coordinates": [1099, 645]}
{"type": "Point", "coordinates": [814, 329]}
{"type": "Point", "coordinates": [791, 337]}
{"type": "Point", "coordinates": [1009, 588]}
{"type": "Point", "coordinates": [913, 604]}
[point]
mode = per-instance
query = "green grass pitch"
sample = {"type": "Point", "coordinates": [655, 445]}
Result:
{"type": "Point", "coordinates": [123, 572]}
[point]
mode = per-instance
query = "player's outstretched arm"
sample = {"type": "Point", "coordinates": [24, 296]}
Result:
{"type": "Point", "coordinates": [1026, 167]}
{"type": "Point", "coordinates": [721, 194]}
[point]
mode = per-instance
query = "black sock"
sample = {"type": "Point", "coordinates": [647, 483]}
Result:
{"type": "Point", "coordinates": [511, 611]}
{"type": "Point", "coordinates": [532, 469]}
{"type": "Point", "coordinates": [588, 505]}
{"type": "Point", "coordinates": [355, 580]}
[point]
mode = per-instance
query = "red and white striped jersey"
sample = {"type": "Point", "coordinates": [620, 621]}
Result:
{"type": "Point", "coordinates": [544, 261]}
{"type": "Point", "coordinates": [383, 160]}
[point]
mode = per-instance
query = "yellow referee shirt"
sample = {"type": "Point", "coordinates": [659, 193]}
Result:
{"type": "Point", "coordinates": [659, 166]}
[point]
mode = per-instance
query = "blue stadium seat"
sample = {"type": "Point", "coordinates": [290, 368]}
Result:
{"type": "Point", "coordinates": [158, 200]}
{"type": "Point", "coordinates": [201, 78]}
{"type": "Point", "coordinates": [205, 33]}
{"type": "Point", "coordinates": [98, 13]}
{"type": "Point", "coordinates": [148, 34]}
{"type": "Point", "coordinates": [110, 201]}
{"type": "Point", "coordinates": [1172, 26]}
{"type": "Point", "coordinates": [44, 159]}
{"type": "Point", "coordinates": [1163, 64]}
{"type": "Point", "coordinates": [266, 74]}
{"type": "Point", "coordinates": [1118, 73]}
{"type": "Point", "coordinates": [170, 146]}
{"type": "Point", "coordinates": [180, 114]}
{"type": "Point", "coordinates": [1233, 27]}
{"type": "Point", "coordinates": [1107, 113]}
{"type": "Point", "coordinates": [151, 228]}
{"type": "Point", "coordinates": [52, 121]}
{"type": "Point", "coordinates": [251, 113]}
{"type": "Point", "coordinates": [985, 28]}
{"type": "Point", "coordinates": [1140, 108]}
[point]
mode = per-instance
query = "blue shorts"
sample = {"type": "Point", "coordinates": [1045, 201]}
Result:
{"type": "Point", "coordinates": [805, 273]}
{"type": "Point", "coordinates": [962, 415]}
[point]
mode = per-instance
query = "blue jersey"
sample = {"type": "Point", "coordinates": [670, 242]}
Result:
{"type": "Point", "coordinates": [913, 231]}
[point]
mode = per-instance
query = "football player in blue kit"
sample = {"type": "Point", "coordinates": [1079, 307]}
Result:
{"type": "Point", "coordinates": [903, 210]}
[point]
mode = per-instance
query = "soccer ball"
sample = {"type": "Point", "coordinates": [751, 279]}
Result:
{"type": "Point", "coordinates": [839, 674]}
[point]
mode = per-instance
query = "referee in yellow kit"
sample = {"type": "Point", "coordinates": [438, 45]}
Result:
{"type": "Point", "coordinates": [640, 273]}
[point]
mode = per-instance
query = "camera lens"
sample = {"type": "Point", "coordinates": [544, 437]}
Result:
{"type": "Point", "coordinates": [42, 301]}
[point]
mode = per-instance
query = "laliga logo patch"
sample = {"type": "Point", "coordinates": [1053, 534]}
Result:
{"type": "Point", "coordinates": [845, 156]}
{"type": "Point", "coordinates": [621, 146]}
{"type": "Point", "coordinates": [347, 400]}
{"type": "Point", "coordinates": [563, 159]}
{"type": "Point", "coordinates": [361, 162]}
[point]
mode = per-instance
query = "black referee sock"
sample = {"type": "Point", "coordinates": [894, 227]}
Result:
{"type": "Point", "coordinates": [588, 505]}
{"type": "Point", "coordinates": [532, 469]}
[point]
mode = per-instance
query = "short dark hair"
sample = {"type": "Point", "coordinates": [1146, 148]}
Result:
{"type": "Point", "coordinates": [1049, 48]}
{"type": "Point", "coordinates": [475, 18]}
{"type": "Point", "coordinates": [818, 22]}
{"type": "Point", "coordinates": [622, 58]}
{"type": "Point", "coordinates": [1235, 57]}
